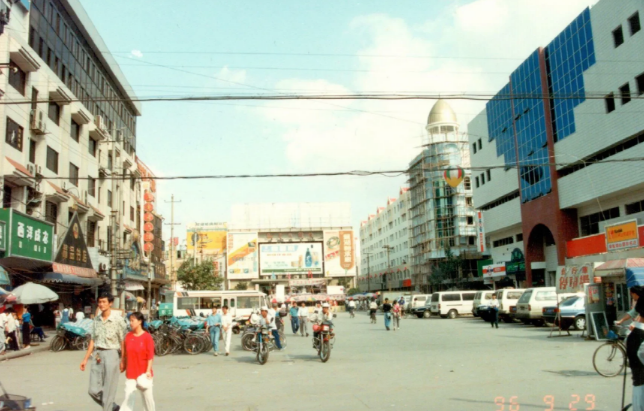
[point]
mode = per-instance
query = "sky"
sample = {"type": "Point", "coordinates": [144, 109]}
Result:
{"type": "Point", "coordinates": [238, 47]}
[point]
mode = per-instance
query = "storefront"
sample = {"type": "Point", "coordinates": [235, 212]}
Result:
{"type": "Point", "coordinates": [133, 285]}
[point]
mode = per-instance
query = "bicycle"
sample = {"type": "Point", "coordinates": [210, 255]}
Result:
{"type": "Point", "coordinates": [610, 358]}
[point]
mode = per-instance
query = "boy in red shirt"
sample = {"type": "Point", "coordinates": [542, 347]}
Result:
{"type": "Point", "coordinates": [138, 354]}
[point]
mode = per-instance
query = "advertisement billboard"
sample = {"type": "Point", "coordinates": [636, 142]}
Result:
{"type": "Point", "coordinates": [27, 237]}
{"type": "Point", "coordinates": [480, 232]}
{"type": "Point", "coordinates": [571, 278]}
{"type": "Point", "coordinates": [242, 256]}
{"type": "Point", "coordinates": [210, 242]}
{"type": "Point", "coordinates": [290, 258]}
{"type": "Point", "coordinates": [339, 253]}
{"type": "Point", "coordinates": [622, 236]}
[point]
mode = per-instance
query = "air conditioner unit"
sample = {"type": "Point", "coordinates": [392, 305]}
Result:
{"type": "Point", "coordinates": [38, 122]}
{"type": "Point", "coordinates": [31, 168]}
{"type": "Point", "coordinates": [98, 121]}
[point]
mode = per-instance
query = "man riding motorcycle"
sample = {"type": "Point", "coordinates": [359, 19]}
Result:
{"type": "Point", "coordinates": [373, 307]}
{"type": "Point", "coordinates": [324, 316]}
{"type": "Point", "coordinates": [265, 320]}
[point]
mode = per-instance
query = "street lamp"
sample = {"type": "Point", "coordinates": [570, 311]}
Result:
{"type": "Point", "coordinates": [388, 248]}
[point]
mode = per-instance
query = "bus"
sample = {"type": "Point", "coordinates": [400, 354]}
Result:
{"type": "Point", "coordinates": [196, 303]}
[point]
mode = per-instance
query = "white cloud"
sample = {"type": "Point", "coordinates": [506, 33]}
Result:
{"type": "Point", "coordinates": [502, 32]}
{"type": "Point", "coordinates": [231, 76]}
{"type": "Point", "coordinates": [137, 53]}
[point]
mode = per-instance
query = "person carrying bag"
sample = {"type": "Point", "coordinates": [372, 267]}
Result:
{"type": "Point", "coordinates": [136, 362]}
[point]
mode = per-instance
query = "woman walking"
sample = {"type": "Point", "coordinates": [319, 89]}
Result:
{"type": "Point", "coordinates": [26, 329]}
{"type": "Point", "coordinates": [396, 310]}
{"type": "Point", "coordinates": [138, 354]}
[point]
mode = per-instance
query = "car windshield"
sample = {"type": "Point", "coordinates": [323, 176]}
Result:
{"type": "Point", "coordinates": [525, 297]}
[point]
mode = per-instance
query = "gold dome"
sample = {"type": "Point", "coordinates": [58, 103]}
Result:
{"type": "Point", "coordinates": [441, 113]}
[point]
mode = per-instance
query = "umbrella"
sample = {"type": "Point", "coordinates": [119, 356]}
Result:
{"type": "Point", "coordinates": [31, 293]}
{"type": "Point", "coordinates": [129, 296]}
{"type": "Point", "coordinates": [140, 300]}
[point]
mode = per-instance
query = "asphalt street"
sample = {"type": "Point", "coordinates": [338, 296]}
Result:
{"type": "Point", "coordinates": [430, 364]}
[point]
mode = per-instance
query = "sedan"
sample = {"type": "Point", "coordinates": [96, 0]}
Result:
{"type": "Point", "coordinates": [572, 311]}
{"type": "Point", "coordinates": [422, 312]}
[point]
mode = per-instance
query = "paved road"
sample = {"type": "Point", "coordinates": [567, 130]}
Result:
{"type": "Point", "coordinates": [434, 364]}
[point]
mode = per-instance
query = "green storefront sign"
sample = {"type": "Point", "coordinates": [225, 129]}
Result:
{"type": "Point", "coordinates": [166, 309]}
{"type": "Point", "coordinates": [3, 236]}
{"type": "Point", "coordinates": [26, 237]}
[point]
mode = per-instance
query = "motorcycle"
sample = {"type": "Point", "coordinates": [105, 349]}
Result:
{"type": "Point", "coordinates": [323, 340]}
{"type": "Point", "coordinates": [240, 324]}
{"type": "Point", "coordinates": [263, 344]}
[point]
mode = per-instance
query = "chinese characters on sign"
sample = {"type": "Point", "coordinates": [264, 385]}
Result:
{"type": "Point", "coordinates": [571, 279]}
{"type": "Point", "coordinates": [481, 232]}
{"type": "Point", "coordinates": [27, 237]}
{"type": "Point", "coordinates": [622, 236]}
{"type": "Point", "coordinates": [73, 250]}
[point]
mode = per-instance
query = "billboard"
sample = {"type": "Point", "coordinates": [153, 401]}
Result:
{"type": "Point", "coordinates": [480, 232]}
{"type": "Point", "coordinates": [242, 256]}
{"type": "Point", "coordinates": [290, 258]}
{"type": "Point", "coordinates": [622, 236]}
{"type": "Point", "coordinates": [571, 279]}
{"type": "Point", "coordinates": [339, 253]}
{"type": "Point", "coordinates": [27, 237]}
{"type": "Point", "coordinates": [210, 242]}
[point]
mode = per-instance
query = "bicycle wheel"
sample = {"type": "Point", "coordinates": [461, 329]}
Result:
{"type": "Point", "coordinates": [165, 347]}
{"type": "Point", "coordinates": [58, 344]}
{"type": "Point", "coordinates": [193, 345]}
{"type": "Point", "coordinates": [609, 359]}
{"type": "Point", "coordinates": [206, 344]}
{"type": "Point", "coordinates": [248, 342]}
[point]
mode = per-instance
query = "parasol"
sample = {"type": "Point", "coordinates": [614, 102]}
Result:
{"type": "Point", "coordinates": [140, 300]}
{"type": "Point", "coordinates": [129, 296]}
{"type": "Point", "coordinates": [31, 293]}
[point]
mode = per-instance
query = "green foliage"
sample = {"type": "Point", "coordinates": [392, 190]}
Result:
{"type": "Point", "coordinates": [353, 291]}
{"type": "Point", "coordinates": [241, 286]}
{"type": "Point", "coordinates": [344, 282]}
{"type": "Point", "coordinates": [198, 277]}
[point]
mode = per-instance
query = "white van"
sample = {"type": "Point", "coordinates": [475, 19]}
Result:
{"type": "Point", "coordinates": [508, 298]}
{"type": "Point", "coordinates": [531, 303]}
{"type": "Point", "coordinates": [419, 300]}
{"type": "Point", "coordinates": [450, 304]}
{"type": "Point", "coordinates": [481, 298]}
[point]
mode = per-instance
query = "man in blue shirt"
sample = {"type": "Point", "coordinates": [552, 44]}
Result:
{"type": "Point", "coordinates": [213, 326]}
{"type": "Point", "coordinates": [295, 321]}
{"type": "Point", "coordinates": [26, 331]}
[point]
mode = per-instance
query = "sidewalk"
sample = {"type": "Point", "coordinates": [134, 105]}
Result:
{"type": "Point", "coordinates": [40, 347]}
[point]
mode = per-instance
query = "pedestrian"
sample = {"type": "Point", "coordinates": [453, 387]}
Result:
{"type": "Point", "coordinates": [635, 353]}
{"type": "Point", "coordinates": [227, 327]}
{"type": "Point", "coordinates": [3, 323]}
{"type": "Point", "coordinates": [107, 335]}
{"type": "Point", "coordinates": [401, 302]}
{"type": "Point", "coordinates": [318, 308]}
{"type": "Point", "coordinates": [396, 315]}
{"type": "Point", "coordinates": [26, 329]}
{"type": "Point", "coordinates": [11, 328]}
{"type": "Point", "coordinates": [138, 355]}
{"type": "Point", "coordinates": [303, 313]}
{"type": "Point", "coordinates": [213, 327]}
{"type": "Point", "coordinates": [494, 311]}
{"type": "Point", "coordinates": [632, 314]}
{"type": "Point", "coordinates": [373, 307]}
{"type": "Point", "coordinates": [352, 307]}
{"type": "Point", "coordinates": [65, 316]}
{"type": "Point", "coordinates": [295, 321]}
{"type": "Point", "coordinates": [386, 308]}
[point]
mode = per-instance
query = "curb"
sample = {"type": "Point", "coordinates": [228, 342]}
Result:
{"type": "Point", "coordinates": [44, 346]}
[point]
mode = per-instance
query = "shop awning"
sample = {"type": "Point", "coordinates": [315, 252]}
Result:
{"type": "Point", "coordinates": [73, 270]}
{"type": "Point", "coordinates": [617, 268]}
{"type": "Point", "coordinates": [66, 279]}
{"type": "Point", "coordinates": [130, 286]}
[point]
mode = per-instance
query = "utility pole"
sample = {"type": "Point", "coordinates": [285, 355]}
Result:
{"type": "Point", "coordinates": [388, 248]}
{"type": "Point", "coordinates": [368, 272]}
{"type": "Point", "coordinates": [172, 224]}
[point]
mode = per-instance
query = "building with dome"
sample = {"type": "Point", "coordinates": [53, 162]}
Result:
{"type": "Point", "coordinates": [443, 219]}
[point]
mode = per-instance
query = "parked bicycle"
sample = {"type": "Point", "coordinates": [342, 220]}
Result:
{"type": "Point", "coordinates": [609, 359]}
{"type": "Point", "coordinates": [70, 336]}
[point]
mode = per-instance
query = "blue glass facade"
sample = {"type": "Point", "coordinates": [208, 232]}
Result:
{"type": "Point", "coordinates": [530, 129]}
{"type": "Point", "coordinates": [567, 57]}
{"type": "Point", "coordinates": [500, 125]}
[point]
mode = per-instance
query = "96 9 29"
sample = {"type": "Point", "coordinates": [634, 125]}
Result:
{"type": "Point", "coordinates": [575, 403]}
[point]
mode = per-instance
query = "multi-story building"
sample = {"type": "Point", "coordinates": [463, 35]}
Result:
{"type": "Point", "coordinates": [70, 134]}
{"type": "Point", "coordinates": [442, 216]}
{"type": "Point", "coordinates": [567, 130]}
{"type": "Point", "coordinates": [384, 246]}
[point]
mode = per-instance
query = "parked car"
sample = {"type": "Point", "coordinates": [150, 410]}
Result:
{"type": "Point", "coordinates": [572, 312]}
{"type": "Point", "coordinates": [419, 300]}
{"type": "Point", "coordinates": [508, 298]}
{"type": "Point", "coordinates": [530, 305]}
{"type": "Point", "coordinates": [481, 298]}
{"type": "Point", "coordinates": [451, 304]}
{"type": "Point", "coordinates": [424, 311]}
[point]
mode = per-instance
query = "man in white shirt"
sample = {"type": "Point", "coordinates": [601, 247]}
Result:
{"type": "Point", "coordinates": [3, 322]}
{"type": "Point", "coordinates": [11, 326]}
{"type": "Point", "coordinates": [269, 322]}
{"type": "Point", "coordinates": [494, 311]}
{"type": "Point", "coordinates": [227, 326]}
{"type": "Point", "coordinates": [352, 306]}
{"type": "Point", "coordinates": [303, 314]}
{"type": "Point", "coordinates": [80, 316]}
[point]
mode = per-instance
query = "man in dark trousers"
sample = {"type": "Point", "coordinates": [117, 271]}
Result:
{"type": "Point", "coordinates": [386, 308]}
{"type": "Point", "coordinates": [108, 333]}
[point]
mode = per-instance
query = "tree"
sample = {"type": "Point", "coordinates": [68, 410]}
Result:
{"type": "Point", "coordinates": [199, 277]}
{"type": "Point", "coordinates": [344, 282]}
{"type": "Point", "coordinates": [354, 291]}
{"type": "Point", "coordinates": [241, 286]}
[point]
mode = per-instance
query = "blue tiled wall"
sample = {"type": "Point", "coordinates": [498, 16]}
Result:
{"type": "Point", "coordinates": [500, 125]}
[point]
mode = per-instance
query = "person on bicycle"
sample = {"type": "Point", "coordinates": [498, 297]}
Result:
{"type": "Point", "coordinates": [352, 306]}
{"type": "Point", "coordinates": [635, 291]}
{"type": "Point", "coordinates": [266, 320]}
{"type": "Point", "coordinates": [372, 310]}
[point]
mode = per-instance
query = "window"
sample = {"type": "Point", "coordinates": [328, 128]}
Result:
{"type": "Point", "coordinates": [590, 224]}
{"type": "Point", "coordinates": [519, 238]}
{"type": "Point", "coordinates": [52, 159]}
{"type": "Point", "coordinates": [17, 78]}
{"type": "Point", "coordinates": [91, 186]}
{"type": "Point", "coordinates": [477, 182]}
{"type": "Point", "coordinates": [54, 112]}
{"type": "Point", "coordinates": [6, 196]}
{"type": "Point", "coordinates": [14, 134]}
{"type": "Point", "coordinates": [132, 182]}
{"type": "Point", "coordinates": [634, 23]}
{"type": "Point", "coordinates": [92, 147]}
{"type": "Point", "coordinates": [75, 131]}
{"type": "Point", "coordinates": [91, 233]}
{"type": "Point", "coordinates": [471, 240]}
{"type": "Point", "coordinates": [474, 148]}
{"type": "Point", "coordinates": [468, 201]}
{"type": "Point", "coordinates": [480, 144]}
{"type": "Point", "coordinates": [109, 198]}
{"type": "Point", "coordinates": [546, 296]}
{"type": "Point", "coordinates": [636, 207]}
{"type": "Point", "coordinates": [482, 179]}
{"type": "Point", "coordinates": [51, 213]}
{"type": "Point", "coordinates": [640, 84]}
{"type": "Point", "coordinates": [131, 213]}
{"type": "Point", "coordinates": [503, 241]}
{"type": "Point", "coordinates": [468, 296]}
{"type": "Point", "coordinates": [618, 36]}
{"type": "Point", "coordinates": [489, 175]}
{"type": "Point", "coordinates": [32, 151]}
{"type": "Point", "coordinates": [73, 174]}
{"type": "Point", "coordinates": [467, 183]}
{"type": "Point", "coordinates": [470, 220]}
{"type": "Point", "coordinates": [625, 92]}
{"type": "Point", "coordinates": [451, 297]}
{"type": "Point", "coordinates": [109, 237]}
{"type": "Point", "coordinates": [610, 103]}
